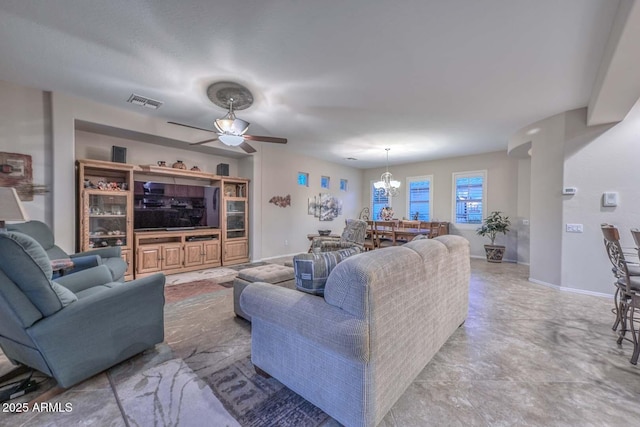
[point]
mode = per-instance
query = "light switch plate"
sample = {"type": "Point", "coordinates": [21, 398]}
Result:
{"type": "Point", "coordinates": [574, 228]}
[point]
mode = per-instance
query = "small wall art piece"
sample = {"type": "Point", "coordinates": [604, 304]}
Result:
{"type": "Point", "coordinates": [330, 207]}
{"type": "Point", "coordinates": [313, 207]}
{"type": "Point", "coordinates": [303, 179]}
{"type": "Point", "coordinates": [325, 207]}
{"type": "Point", "coordinates": [281, 201]}
{"type": "Point", "coordinates": [16, 172]}
{"type": "Point", "coordinates": [324, 182]}
{"type": "Point", "coordinates": [344, 185]}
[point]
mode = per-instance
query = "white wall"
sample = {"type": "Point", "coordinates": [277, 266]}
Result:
{"type": "Point", "coordinates": [523, 210]}
{"type": "Point", "coordinates": [98, 147]}
{"type": "Point", "coordinates": [599, 159]}
{"type": "Point", "coordinates": [545, 240]}
{"type": "Point", "coordinates": [502, 187]}
{"type": "Point", "coordinates": [25, 128]}
{"type": "Point", "coordinates": [279, 177]}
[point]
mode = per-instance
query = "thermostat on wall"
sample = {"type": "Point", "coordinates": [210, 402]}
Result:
{"type": "Point", "coordinates": [610, 199]}
{"type": "Point", "coordinates": [569, 191]}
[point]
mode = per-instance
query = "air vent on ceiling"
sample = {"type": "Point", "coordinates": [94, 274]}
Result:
{"type": "Point", "coordinates": [144, 101]}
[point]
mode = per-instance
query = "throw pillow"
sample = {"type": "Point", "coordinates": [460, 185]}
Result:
{"type": "Point", "coordinates": [312, 270]}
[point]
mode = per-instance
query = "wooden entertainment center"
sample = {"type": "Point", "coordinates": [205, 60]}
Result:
{"type": "Point", "coordinates": [106, 218]}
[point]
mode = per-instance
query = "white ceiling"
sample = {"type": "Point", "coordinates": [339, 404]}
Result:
{"type": "Point", "coordinates": [428, 78]}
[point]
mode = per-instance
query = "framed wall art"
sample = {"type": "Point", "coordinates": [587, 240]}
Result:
{"type": "Point", "coordinates": [16, 171]}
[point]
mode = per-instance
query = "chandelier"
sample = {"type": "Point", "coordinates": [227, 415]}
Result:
{"type": "Point", "coordinates": [387, 186]}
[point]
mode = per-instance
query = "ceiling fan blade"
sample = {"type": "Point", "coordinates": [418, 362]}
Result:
{"type": "Point", "coordinates": [205, 141]}
{"type": "Point", "coordinates": [189, 126]}
{"type": "Point", "coordinates": [247, 148]}
{"type": "Point", "coordinates": [265, 139]}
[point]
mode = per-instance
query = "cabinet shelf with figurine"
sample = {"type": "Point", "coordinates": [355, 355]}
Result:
{"type": "Point", "coordinates": [105, 207]}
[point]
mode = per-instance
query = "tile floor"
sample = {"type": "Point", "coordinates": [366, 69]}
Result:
{"type": "Point", "coordinates": [527, 355]}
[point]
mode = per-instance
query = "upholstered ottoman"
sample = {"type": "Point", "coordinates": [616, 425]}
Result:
{"type": "Point", "coordinates": [270, 273]}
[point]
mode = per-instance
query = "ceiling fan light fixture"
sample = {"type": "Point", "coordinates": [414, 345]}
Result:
{"type": "Point", "coordinates": [231, 126]}
{"type": "Point", "coordinates": [230, 139]}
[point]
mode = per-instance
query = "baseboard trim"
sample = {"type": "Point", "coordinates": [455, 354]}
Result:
{"type": "Point", "coordinates": [275, 257]}
{"type": "Point", "coordinates": [513, 261]}
{"type": "Point", "coordinates": [573, 290]}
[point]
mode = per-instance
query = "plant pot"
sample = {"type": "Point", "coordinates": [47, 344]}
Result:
{"type": "Point", "coordinates": [494, 252]}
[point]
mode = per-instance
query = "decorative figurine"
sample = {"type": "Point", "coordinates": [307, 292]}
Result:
{"type": "Point", "coordinates": [179, 165]}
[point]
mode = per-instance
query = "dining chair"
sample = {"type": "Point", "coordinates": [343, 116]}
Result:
{"type": "Point", "coordinates": [627, 295]}
{"type": "Point", "coordinates": [409, 223]}
{"type": "Point", "coordinates": [385, 233]}
{"type": "Point", "coordinates": [401, 239]}
{"type": "Point", "coordinates": [370, 242]}
{"type": "Point", "coordinates": [434, 230]}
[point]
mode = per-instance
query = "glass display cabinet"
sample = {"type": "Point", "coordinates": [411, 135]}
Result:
{"type": "Point", "coordinates": [106, 218]}
{"type": "Point", "coordinates": [236, 236]}
{"type": "Point", "coordinates": [105, 207]}
{"type": "Point", "coordinates": [236, 218]}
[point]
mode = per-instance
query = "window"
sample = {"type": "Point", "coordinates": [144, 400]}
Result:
{"type": "Point", "coordinates": [469, 196]}
{"type": "Point", "coordinates": [303, 179]}
{"type": "Point", "coordinates": [344, 185]}
{"type": "Point", "coordinates": [419, 197]}
{"type": "Point", "coordinates": [378, 201]}
{"type": "Point", "coordinates": [324, 181]}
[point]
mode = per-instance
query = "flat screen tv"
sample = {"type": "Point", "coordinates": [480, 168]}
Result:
{"type": "Point", "coordinates": [174, 206]}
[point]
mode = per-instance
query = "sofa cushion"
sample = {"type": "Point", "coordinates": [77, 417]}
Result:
{"type": "Point", "coordinates": [26, 263]}
{"type": "Point", "coordinates": [312, 270]}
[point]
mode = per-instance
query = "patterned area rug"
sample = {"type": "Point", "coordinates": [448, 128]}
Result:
{"type": "Point", "coordinates": [256, 401]}
{"type": "Point", "coordinates": [174, 293]}
{"type": "Point", "coordinates": [187, 285]}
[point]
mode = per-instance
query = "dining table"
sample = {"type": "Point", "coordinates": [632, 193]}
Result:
{"type": "Point", "coordinates": [398, 235]}
{"type": "Point", "coordinates": [405, 234]}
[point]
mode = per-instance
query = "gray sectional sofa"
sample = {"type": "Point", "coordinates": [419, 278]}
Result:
{"type": "Point", "coordinates": [384, 315]}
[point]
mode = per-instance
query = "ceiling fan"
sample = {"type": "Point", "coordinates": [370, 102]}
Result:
{"type": "Point", "coordinates": [230, 129]}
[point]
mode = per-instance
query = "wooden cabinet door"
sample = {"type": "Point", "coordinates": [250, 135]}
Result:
{"type": "Point", "coordinates": [171, 256]}
{"type": "Point", "coordinates": [148, 259]}
{"type": "Point", "coordinates": [236, 250]}
{"type": "Point", "coordinates": [193, 254]}
{"type": "Point", "coordinates": [126, 256]}
{"type": "Point", "coordinates": [212, 252]}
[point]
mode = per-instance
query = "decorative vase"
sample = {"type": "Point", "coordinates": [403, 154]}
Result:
{"type": "Point", "coordinates": [494, 252]}
{"type": "Point", "coordinates": [195, 168]}
{"type": "Point", "coordinates": [179, 165]}
{"type": "Point", "coordinates": [386, 213]}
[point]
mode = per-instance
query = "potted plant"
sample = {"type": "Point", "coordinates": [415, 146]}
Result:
{"type": "Point", "coordinates": [493, 224]}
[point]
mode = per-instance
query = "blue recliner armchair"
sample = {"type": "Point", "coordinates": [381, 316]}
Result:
{"type": "Point", "coordinates": [82, 260]}
{"type": "Point", "coordinates": [78, 325]}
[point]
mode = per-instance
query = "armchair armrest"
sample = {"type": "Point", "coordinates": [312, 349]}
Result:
{"type": "Point", "coordinates": [309, 316]}
{"type": "Point", "coordinates": [319, 240]}
{"type": "Point", "coordinates": [110, 252]}
{"type": "Point", "coordinates": [84, 262]}
{"type": "Point", "coordinates": [86, 279]}
{"type": "Point", "coordinates": [335, 245]}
